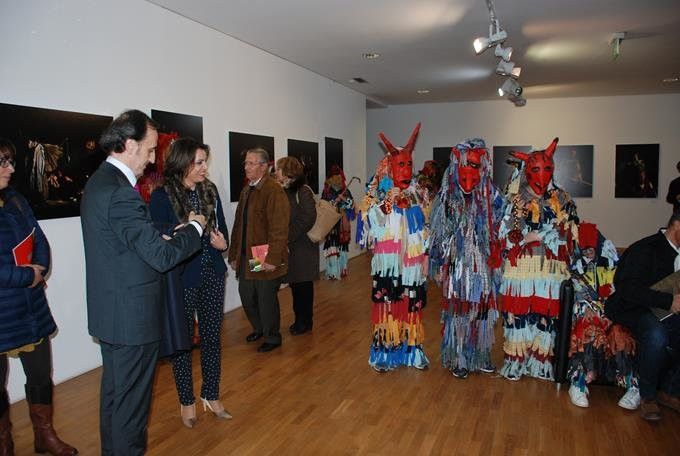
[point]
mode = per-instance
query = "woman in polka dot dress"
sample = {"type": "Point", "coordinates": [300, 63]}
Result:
{"type": "Point", "coordinates": [187, 189]}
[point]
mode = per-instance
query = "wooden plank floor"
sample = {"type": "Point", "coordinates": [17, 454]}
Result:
{"type": "Point", "coordinates": [317, 395]}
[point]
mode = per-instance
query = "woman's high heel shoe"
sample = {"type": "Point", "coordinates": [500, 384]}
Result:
{"type": "Point", "coordinates": [217, 408]}
{"type": "Point", "coordinates": [188, 415]}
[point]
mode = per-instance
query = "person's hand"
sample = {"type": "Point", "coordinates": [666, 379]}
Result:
{"type": "Point", "coordinates": [166, 237]}
{"type": "Point", "coordinates": [37, 274]}
{"type": "Point", "coordinates": [193, 217]}
{"type": "Point", "coordinates": [675, 307]}
{"type": "Point", "coordinates": [217, 240]}
{"type": "Point", "coordinates": [268, 267]}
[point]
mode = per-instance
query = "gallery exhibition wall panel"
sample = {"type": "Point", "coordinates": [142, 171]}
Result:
{"type": "Point", "coordinates": [101, 57]}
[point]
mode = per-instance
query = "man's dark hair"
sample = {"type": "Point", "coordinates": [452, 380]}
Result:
{"type": "Point", "coordinates": [674, 218]}
{"type": "Point", "coordinates": [7, 149]}
{"type": "Point", "coordinates": [181, 157]}
{"type": "Point", "coordinates": [678, 166]}
{"type": "Point", "coordinates": [131, 124]}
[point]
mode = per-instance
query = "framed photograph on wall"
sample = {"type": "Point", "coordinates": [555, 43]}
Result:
{"type": "Point", "coordinates": [442, 155]}
{"type": "Point", "coordinates": [239, 143]}
{"type": "Point", "coordinates": [171, 126]}
{"type": "Point", "coordinates": [637, 171]}
{"type": "Point", "coordinates": [504, 164]}
{"type": "Point", "coordinates": [308, 154]}
{"type": "Point", "coordinates": [574, 170]}
{"type": "Point", "coordinates": [57, 152]}
{"type": "Point", "coordinates": [334, 154]}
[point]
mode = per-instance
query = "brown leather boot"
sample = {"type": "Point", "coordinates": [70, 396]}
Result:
{"type": "Point", "coordinates": [46, 440]}
{"type": "Point", "coordinates": [6, 444]}
{"type": "Point", "coordinates": [40, 410]}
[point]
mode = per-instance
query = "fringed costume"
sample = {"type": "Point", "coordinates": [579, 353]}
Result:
{"type": "Point", "coordinates": [599, 349]}
{"type": "Point", "coordinates": [538, 232]}
{"type": "Point", "coordinates": [393, 225]}
{"type": "Point", "coordinates": [465, 258]}
{"type": "Point", "coordinates": [336, 244]}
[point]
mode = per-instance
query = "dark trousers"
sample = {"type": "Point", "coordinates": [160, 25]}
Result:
{"type": "Point", "coordinates": [37, 366]}
{"type": "Point", "coordinates": [303, 303]}
{"type": "Point", "coordinates": [127, 379]}
{"type": "Point", "coordinates": [260, 302]}
{"type": "Point", "coordinates": [653, 339]}
{"type": "Point", "coordinates": [208, 303]}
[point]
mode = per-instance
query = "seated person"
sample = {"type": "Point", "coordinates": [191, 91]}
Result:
{"type": "Point", "coordinates": [642, 265]}
{"type": "Point", "coordinates": [598, 347]}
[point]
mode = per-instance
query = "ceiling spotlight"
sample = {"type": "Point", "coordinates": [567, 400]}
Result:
{"type": "Point", "coordinates": [508, 69]}
{"type": "Point", "coordinates": [510, 88]}
{"type": "Point", "coordinates": [518, 101]}
{"type": "Point", "coordinates": [481, 44]}
{"type": "Point", "coordinates": [423, 91]}
{"type": "Point", "coordinates": [370, 55]}
{"type": "Point", "coordinates": [504, 53]}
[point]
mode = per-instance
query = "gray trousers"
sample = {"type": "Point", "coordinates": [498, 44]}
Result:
{"type": "Point", "coordinates": [260, 302]}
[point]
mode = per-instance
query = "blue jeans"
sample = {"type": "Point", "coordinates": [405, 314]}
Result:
{"type": "Point", "coordinates": [657, 368]}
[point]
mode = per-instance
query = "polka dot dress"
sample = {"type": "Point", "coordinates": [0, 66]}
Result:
{"type": "Point", "coordinates": [207, 301]}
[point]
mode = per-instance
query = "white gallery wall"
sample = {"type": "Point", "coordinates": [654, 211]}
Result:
{"type": "Point", "coordinates": [103, 57]}
{"type": "Point", "coordinates": [603, 122]}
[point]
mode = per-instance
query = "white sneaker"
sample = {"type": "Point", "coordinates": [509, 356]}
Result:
{"type": "Point", "coordinates": [578, 398]}
{"type": "Point", "coordinates": [630, 400]}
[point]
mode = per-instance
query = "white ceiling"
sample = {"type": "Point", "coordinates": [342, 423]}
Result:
{"type": "Point", "coordinates": [562, 45]}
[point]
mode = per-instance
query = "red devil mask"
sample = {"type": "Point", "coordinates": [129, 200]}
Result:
{"type": "Point", "coordinates": [469, 168]}
{"type": "Point", "coordinates": [401, 161]}
{"type": "Point", "coordinates": [539, 167]}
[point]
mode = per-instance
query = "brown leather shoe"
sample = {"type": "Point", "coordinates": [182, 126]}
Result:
{"type": "Point", "coordinates": [649, 410]}
{"type": "Point", "coordinates": [672, 402]}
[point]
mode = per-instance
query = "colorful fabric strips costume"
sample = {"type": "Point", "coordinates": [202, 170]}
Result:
{"type": "Point", "coordinates": [336, 244]}
{"type": "Point", "coordinates": [599, 349]}
{"type": "Point", "coordinates": [465, 257]}
{"type": "Point", "coordinates": [538, 230]}
{"type": "Point", "coordinates": [393, 225]}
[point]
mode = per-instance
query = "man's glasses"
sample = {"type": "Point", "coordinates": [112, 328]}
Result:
{"type": "Point", "coordinates": [6, 162]}
{"type": "Point", "coordinates": [250, 164]}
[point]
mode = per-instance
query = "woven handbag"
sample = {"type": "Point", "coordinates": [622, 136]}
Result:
{"type": "Point", "coordinates": [326, 218]}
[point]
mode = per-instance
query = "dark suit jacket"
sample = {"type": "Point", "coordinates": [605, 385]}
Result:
{"type": "Point", "coordinates": [124, 256]}
{"type": "Point", "coordinates": [642, 265]}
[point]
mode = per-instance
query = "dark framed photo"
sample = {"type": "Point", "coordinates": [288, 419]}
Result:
{"type": "Point", "coordinates": [308, 154]}
{"type": "Point", "coordinates": [57, 152]}
{"type": "Point", "coordinates": [504, 164]}
{"type": "Point", "coordinates": [239, 143]}
{"type": "Point", "coordinates": [442, 155]}
{"type": "Point", "coordinates": [334, 152]}
{"type": "Point", "coordinates": [171, 126]}
{"type": "Point", "coordinates": [574, 170]}
{"type": "Point", "coordinates": [637, 171]}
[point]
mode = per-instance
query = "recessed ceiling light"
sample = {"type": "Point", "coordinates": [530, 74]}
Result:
{"type": "Point", "coordinates": [423, 91]}
{"type": "Point", "coordinates": [675, 79]}
{"type": "Point", "coordinates": [358, 81]}
{"type": "Point", "coordinates": [370, 55]}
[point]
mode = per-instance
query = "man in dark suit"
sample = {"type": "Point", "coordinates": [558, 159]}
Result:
{"type": "Point", "coordinates": [124, 256]}
{"type": "Point", "coordinates": [636, 305]}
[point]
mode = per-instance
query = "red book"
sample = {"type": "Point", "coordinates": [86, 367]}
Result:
{"type": "Point", "coordinates": [259, 254]}
{"type": "Point", "coordinates": [23, 252]}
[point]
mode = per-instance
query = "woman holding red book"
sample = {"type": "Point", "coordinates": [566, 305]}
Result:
{"type": "Point", "coordinates": [26, 322]}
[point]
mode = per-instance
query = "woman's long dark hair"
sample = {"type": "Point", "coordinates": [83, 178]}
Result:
{"type": "Point", "coordinates": [178, 163]}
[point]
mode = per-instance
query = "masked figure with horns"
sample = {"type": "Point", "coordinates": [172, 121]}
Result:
{"type": "Point", "coordinates": [465, 258]}
{"type": "Point", "coordinates": [393, 225]}
{"type": "Point", "coordinates": [539, 230]}
{"type": "Point", "coordinates": [336, 244]}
